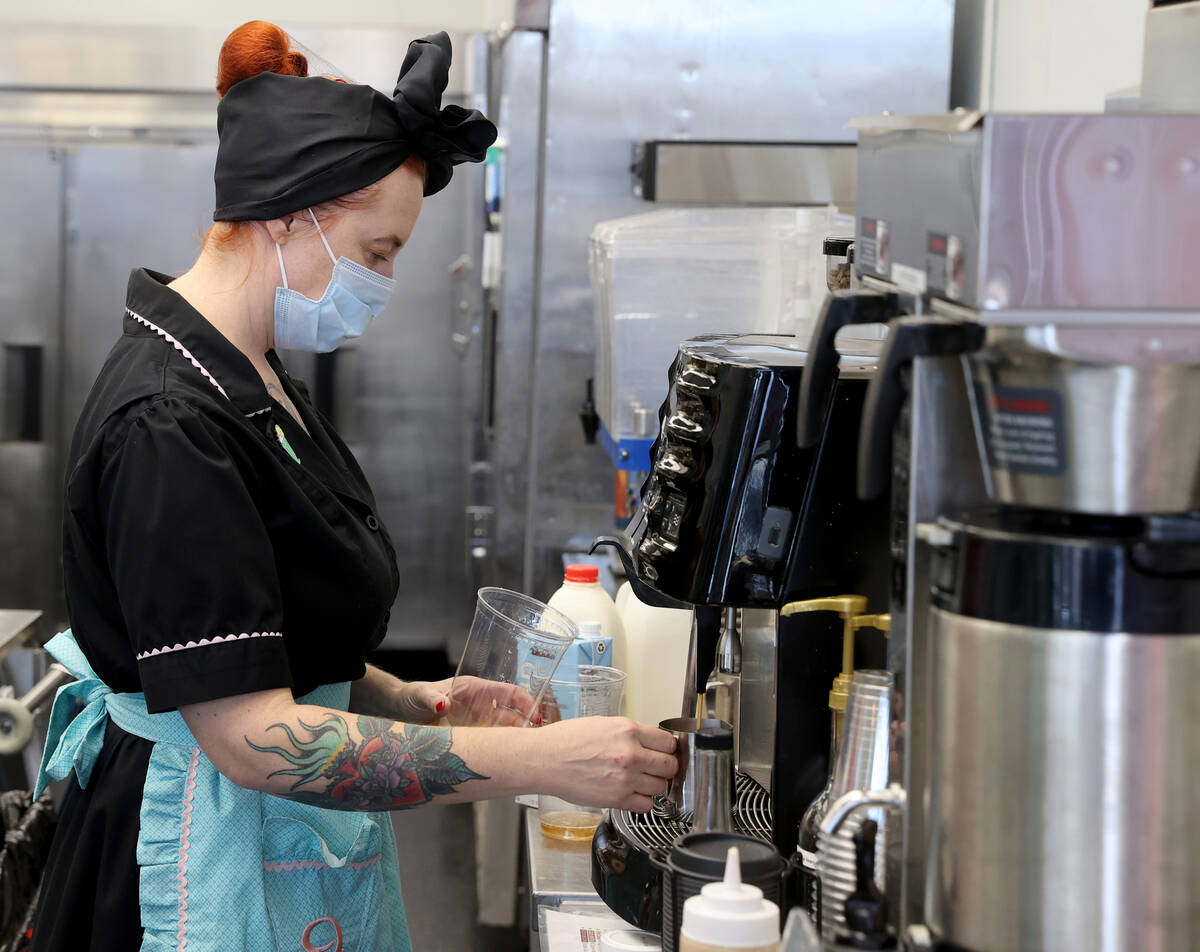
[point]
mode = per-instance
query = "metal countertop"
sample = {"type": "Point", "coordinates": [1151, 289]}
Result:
{"type": "Point", "coordinates": [559, 873]}
{"type": "Point", "coordinates": [14, 625]}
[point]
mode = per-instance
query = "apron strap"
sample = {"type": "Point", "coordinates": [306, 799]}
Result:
{"type": "Point", "coordinates": [74, 737]}
{"type": "Point", "coordinates": [78, 718]}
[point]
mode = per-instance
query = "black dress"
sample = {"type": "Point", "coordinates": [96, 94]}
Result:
{"type": "Point", "coordinates": [211, 547]}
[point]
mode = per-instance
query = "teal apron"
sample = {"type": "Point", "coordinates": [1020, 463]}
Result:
{"type": "Point", "coordinates": [222, 868]}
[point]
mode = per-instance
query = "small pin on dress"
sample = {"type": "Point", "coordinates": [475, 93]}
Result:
{"type": "Point", "coordinates": [283, 441]}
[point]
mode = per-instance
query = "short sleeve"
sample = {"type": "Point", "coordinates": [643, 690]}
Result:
{"type": "Point", "coordinates": [191, 560]}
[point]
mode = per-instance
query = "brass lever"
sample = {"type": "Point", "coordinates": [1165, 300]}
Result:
{"type": "Point", "coordinates": [848, 606]}
{"type": "Point", "coordinates": [880, 622]}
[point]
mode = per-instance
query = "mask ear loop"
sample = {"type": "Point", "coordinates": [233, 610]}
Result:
{"type": "Point", "coordinates": [328, 250]}
{"type": "Point", "coordinates": [282, 269]}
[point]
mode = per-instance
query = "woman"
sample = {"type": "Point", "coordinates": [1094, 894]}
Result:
{"type": "Point", "coordinates": [226, 571]}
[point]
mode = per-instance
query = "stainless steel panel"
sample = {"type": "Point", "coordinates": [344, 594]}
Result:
{"type": "Point", "coordinates": [946, 476]}
{"type": "Point", "coordinates": [16, 628]}
{"type": "Point", "coordinates": [1170, 66]}
{"type": "Point", "coordinates": [914, 183]}
{"type": "Point", "coordinates": [970, 73]}
{"type": "Point", "coordinates": [411, 415]}
{"type": "Point", "coordinates": [30, 315]}
{"type": "Point", "coordinates": [65, 116]}
{"type": "Point", "coordinates": [558, 872]}
{"type": "Point", "coordinates": [1092, 214]}
{"type": "Point", "coordinates": [756, 717]}
{"type": "Point", "coordinates": [153, 58]}
{"type": "Point", "coordinates": [532, 15]}
{"type": "Point", "coordinates": [1068, 822]}
{"type": "Point", "coordinates": [128, 206]}
{"type": "Point", "coordinates": [627, 71]}
{"type": "Point", "coordinates": [1082, 401]}
{"type": "Point", "coordinates": [716, 173]}
{"type": "Point", "coordinates": [521, 68]}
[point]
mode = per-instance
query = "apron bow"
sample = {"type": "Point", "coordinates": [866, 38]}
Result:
{"type": "Point", "coordinates": [74, 737]}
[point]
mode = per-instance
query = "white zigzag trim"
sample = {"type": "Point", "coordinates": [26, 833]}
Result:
{"type": "Point", "coordinates": [203, 642]}
{"type": "Point", "coordinates": [179, 347]}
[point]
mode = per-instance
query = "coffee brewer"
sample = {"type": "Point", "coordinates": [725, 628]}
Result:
{"type": "Point", "coordinates": [1044, 479]}
{"type": "Point", "coordinates": [738, 520]}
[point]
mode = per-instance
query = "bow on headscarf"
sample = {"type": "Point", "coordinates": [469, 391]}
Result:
{"type": "Point", "coordinates": [443, 136]}
{"type": "Point", "coordinates": [288, 142]}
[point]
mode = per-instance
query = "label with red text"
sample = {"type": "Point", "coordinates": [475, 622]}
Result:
{"type": "Point", "coordinates": [1023, 429]}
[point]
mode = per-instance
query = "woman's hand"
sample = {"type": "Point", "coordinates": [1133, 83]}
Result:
{"type": "Point", "coordinates": [473, 702]}
{"type": "Point", "coordinates": [605, 761]}
{"type": "Point", "coordinates": [422, 702]}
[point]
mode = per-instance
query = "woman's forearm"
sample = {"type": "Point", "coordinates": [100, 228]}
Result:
{"type": "Point", "coordinates": [265, 741]}
{"type": "Point", "coordinates": [376, 693]}
{"type": "Point", "coordinates": [356, 762]}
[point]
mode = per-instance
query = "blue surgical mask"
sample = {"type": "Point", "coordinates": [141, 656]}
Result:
{"type": "Point", "coordinates": [353, 298]}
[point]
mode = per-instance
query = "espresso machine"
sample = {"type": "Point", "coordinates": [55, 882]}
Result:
{"type": "Point", "coordinates": [739, 520]}
{"type": "Point", "coordinates": [1032, 423]}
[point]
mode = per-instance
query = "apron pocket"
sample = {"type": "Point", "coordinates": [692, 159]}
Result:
{"type": "Point", "coordinates": [318, 901]}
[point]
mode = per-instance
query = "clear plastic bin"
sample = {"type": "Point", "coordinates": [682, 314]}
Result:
{"type": "Point", "coordinates": [666, 276]}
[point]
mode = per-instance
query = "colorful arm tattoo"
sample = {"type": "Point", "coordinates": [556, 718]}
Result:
{"type": "Point", "coordinates": [390, 767]}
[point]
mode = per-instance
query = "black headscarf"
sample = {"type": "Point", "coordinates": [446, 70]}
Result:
{"type": "Point", "coordinates": [288, 142]}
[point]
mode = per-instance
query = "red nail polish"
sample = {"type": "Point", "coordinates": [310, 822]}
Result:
{"type": "Point", "coordinates": [441, 706]}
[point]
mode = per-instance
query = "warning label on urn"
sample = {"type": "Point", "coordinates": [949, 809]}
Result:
{"type": "Point", "coordinates": [1023, 429]}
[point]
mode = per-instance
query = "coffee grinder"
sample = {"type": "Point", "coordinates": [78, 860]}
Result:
{"type": "Point", "coordinates": [1045, 485]}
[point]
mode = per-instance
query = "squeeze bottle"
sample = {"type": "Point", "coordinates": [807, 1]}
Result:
{"type": "Point", "coordinates": [582, 598]}
{"type": "Point", "coordinates": [730, 915]}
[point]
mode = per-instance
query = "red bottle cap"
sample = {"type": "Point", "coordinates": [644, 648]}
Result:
{"type": "Point", "coordinates": [582, 572]}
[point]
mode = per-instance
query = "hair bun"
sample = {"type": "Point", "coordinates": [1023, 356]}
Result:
{"type": "Point", "coordinates": [253, 48]}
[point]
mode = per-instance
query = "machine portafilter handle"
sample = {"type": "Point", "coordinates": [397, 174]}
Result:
{"type": "Point", "coordinates": [910, 337]}
{"type": "Point", "coordinates": [841, 308]}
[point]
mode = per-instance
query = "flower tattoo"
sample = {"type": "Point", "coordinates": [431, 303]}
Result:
{"type": "Point", "coordinates": [393, 766]}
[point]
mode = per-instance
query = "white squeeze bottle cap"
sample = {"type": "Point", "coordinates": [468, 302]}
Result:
{"type": "Point", "coordinates": [731, 914]}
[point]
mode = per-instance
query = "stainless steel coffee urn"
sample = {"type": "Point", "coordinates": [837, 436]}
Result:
{"type": "Point", "coordinates": [1034, 417]}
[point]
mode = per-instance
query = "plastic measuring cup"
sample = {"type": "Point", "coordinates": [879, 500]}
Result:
{"type": "Point", "coordinates": [583, 690]}
{"type": "Point", "coordinates": [513, 648]}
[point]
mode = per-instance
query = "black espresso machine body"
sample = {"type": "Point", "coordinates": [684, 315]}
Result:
{"type": "Point", "coordinates": [736, 513]}
{"type": "Point", "coordinates": [739, 514]}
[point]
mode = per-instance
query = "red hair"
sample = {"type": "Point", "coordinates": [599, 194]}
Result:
{"type": "Point", "coordinates": [253, 48]}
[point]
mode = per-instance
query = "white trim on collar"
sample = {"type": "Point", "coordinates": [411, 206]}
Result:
{"type": "Point", "coordinates": [187, 354]}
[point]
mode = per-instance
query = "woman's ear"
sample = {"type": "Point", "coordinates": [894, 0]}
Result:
{"type": "Point", "coordinates": [279, 230]}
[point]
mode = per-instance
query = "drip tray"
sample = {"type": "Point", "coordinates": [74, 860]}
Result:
{"type": "Point", "coordinates": [655, 831]}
